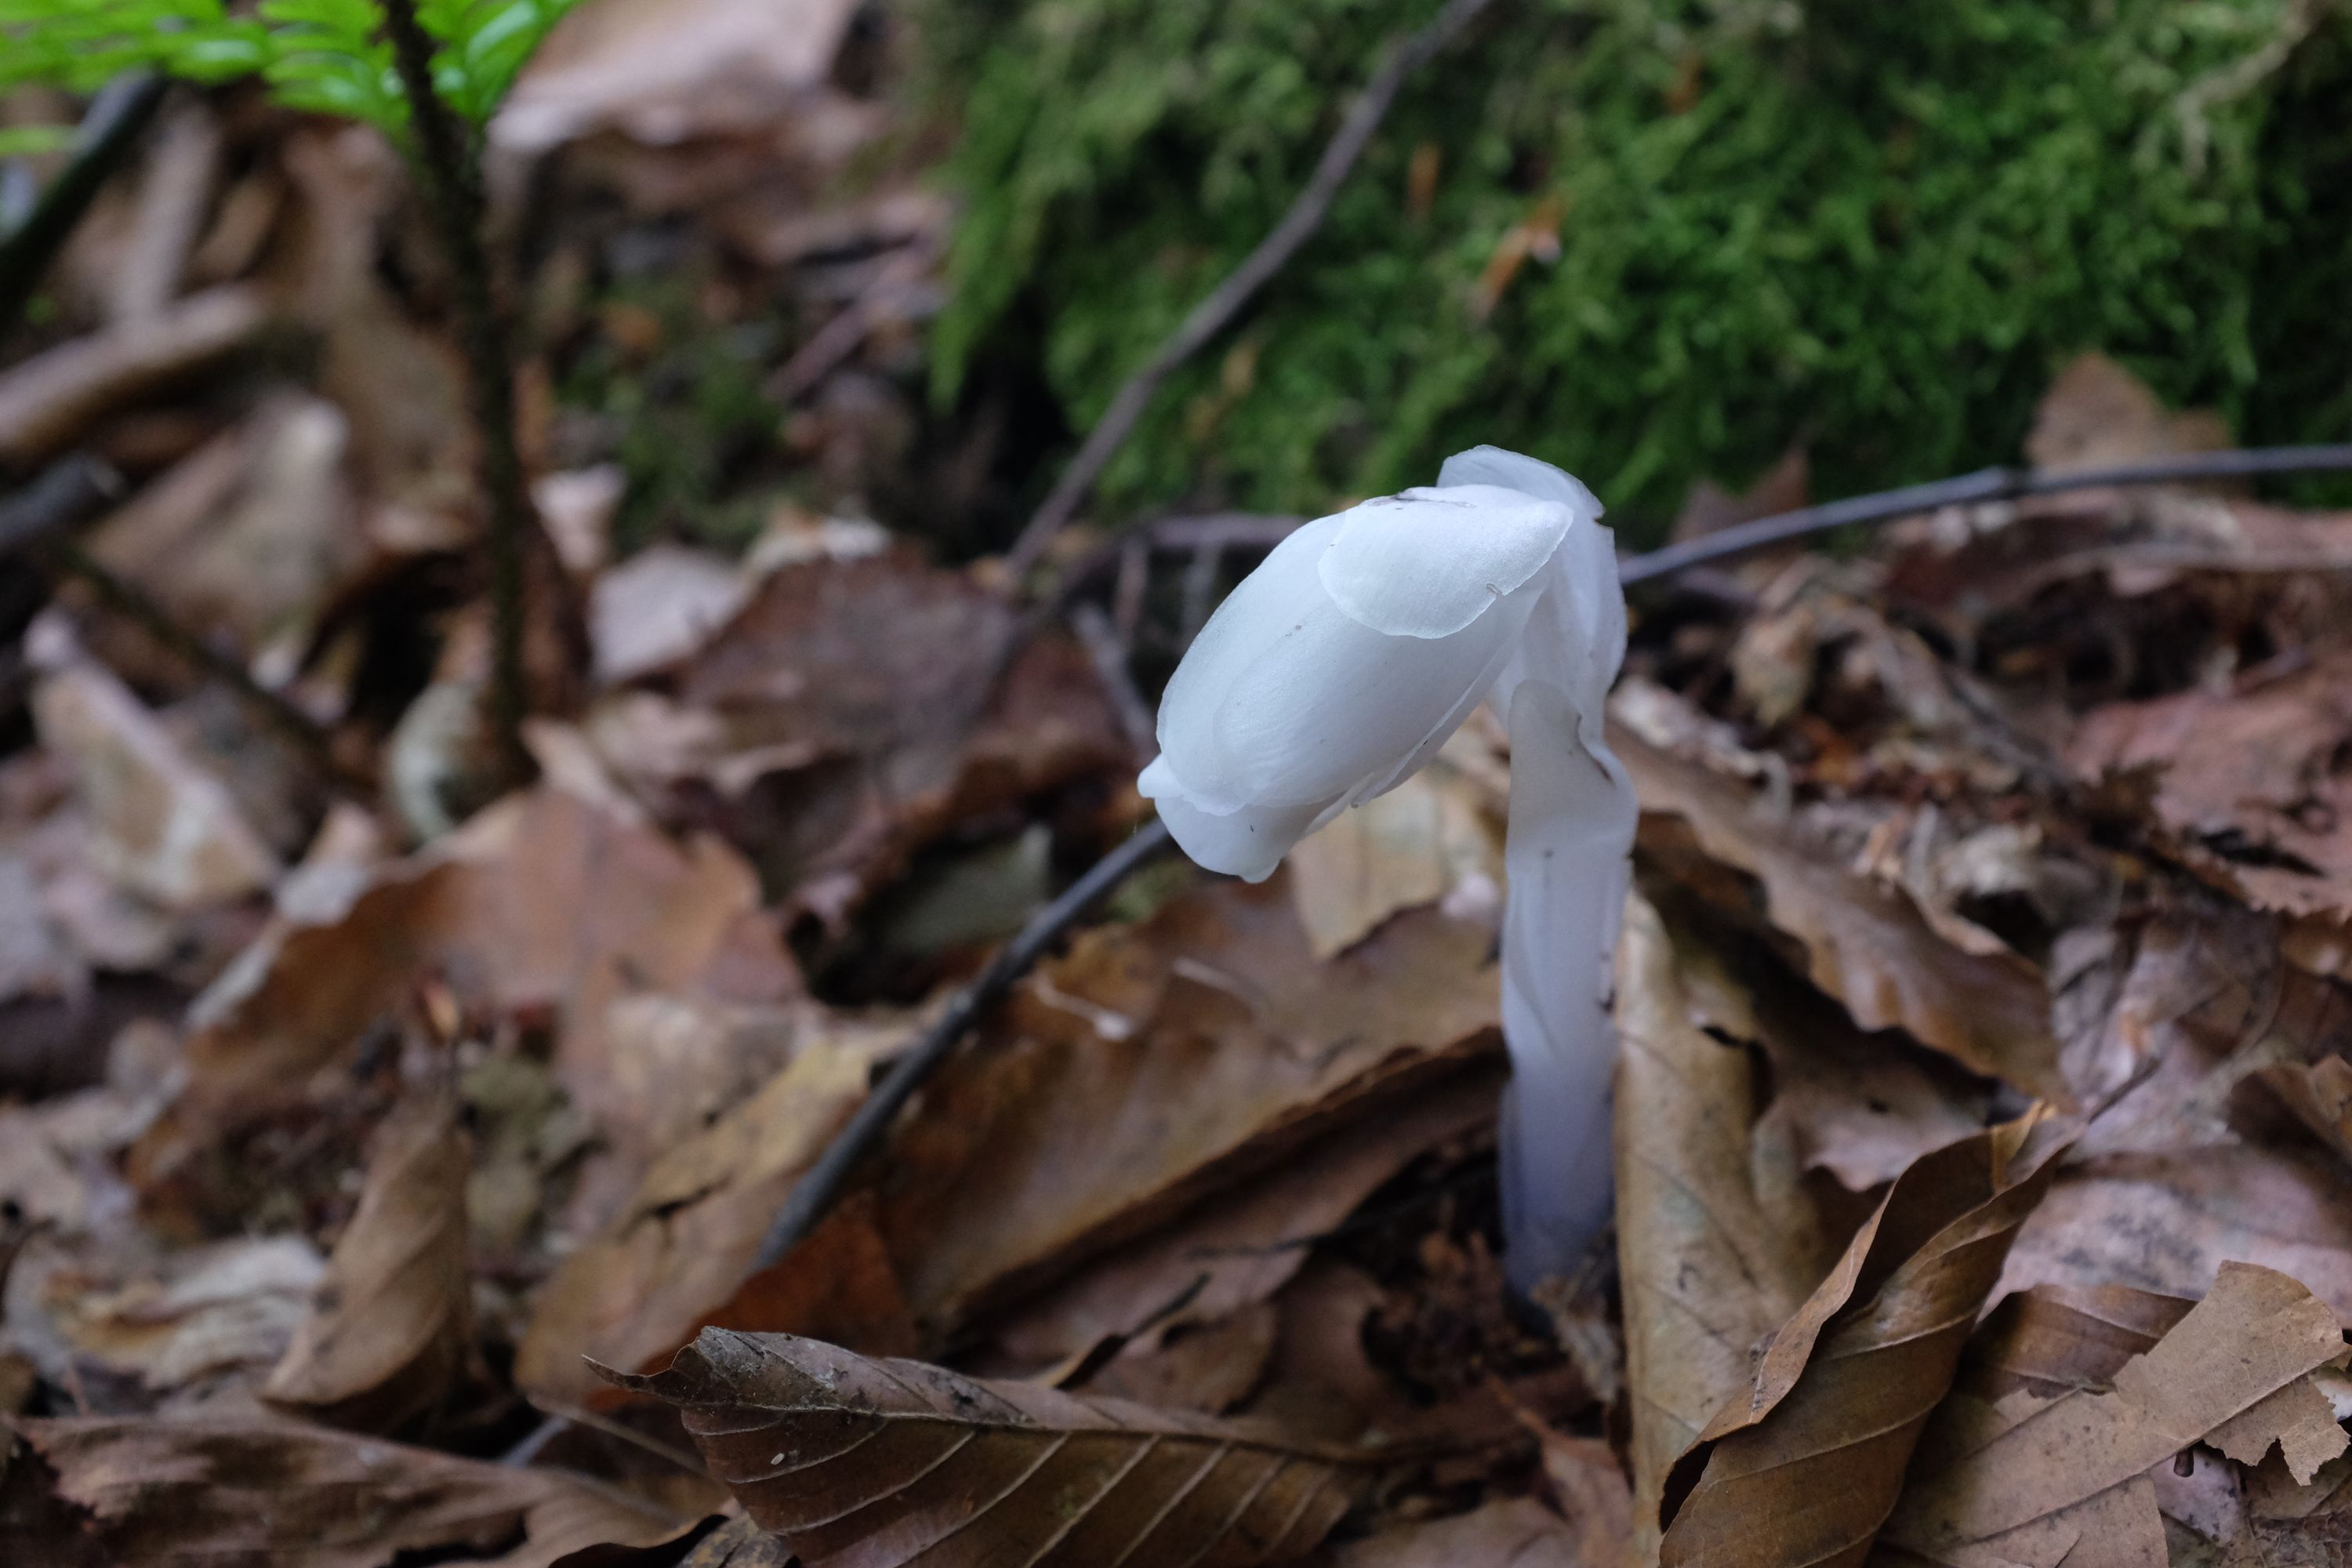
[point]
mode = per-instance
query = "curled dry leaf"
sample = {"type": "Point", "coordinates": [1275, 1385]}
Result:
{"type": "Point", "coordinates": [875, 1463]}
{"type": "Point", "coordinates": [260, 1489]}
{"type": "Point", "coordinates": [1867, 946]}
{"type": "Point", "coordinates": [1716, 1245]}
{"type": "Point", "coordinates": [1808, 1466]}
{"type": "Point", "coordinates": [2022, 1480]}
{"type": "Point", "coordinates": [2054, 1338]}
{"type": "Point", "coordinates": [1157, 1063]}
{"type": "Point", "coordinates": [390, 1326]}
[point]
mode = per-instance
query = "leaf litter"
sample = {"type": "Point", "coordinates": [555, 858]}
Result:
{"type": "Point", "coordinates": [1984, 1166]}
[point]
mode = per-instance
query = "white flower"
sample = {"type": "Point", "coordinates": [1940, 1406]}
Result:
{"type": "Point", "coordinates": [1336, 670]}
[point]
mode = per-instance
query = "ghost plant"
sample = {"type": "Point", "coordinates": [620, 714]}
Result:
{"type": "Point", "coordinates": [1337, 668]}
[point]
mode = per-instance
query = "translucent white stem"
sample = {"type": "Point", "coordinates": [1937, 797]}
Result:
{"type": "Point", "coordinates": [1567, 857]}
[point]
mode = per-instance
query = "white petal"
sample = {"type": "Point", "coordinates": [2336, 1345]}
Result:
{"type": "Point", "coordinates": [1249, 843]}
{"type": "Point", "coordinates": [1517, 471]}
{"type": "Point", "coordinates": [1331, 705]}
{"type": "Point", "coordinates": [1428, 563]}
{"type": "Point", "coordinates": [1253, 615]}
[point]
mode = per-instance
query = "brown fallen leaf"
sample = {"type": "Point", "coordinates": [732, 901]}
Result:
{"type": "Point", "coordinates": [1863, 944]}
{"type": "Point", "coordinates": [859, 711]}
{"type": "Point", "coordinates": [2055, 1337]}
{"type": "Point", "coordinates": [1715, 1244]}
{"type": "Point", "coordinates": [52, 398]}
{"type": "Point", "coordinates": [1515, 1532]}
{"type": "Point", "coordinates": [2024, 1479]}
{"type": "Point", "coordinates": [1806, 1470]}
{"type": "Point", "coordinates": [390, 1326]}
{"type": "Point", "coordinates": [247, 536]}
{"type": "Point", "coordinates": [2320, 1095]}
{"type": "Point", "coordinates": [2171, 1222]}
{"type": "Point", "coordinates": [162, 828]}
{"type": "Point", "coordinates": [543, 901]}
{"type": "Point", "coordinates": [871, 1463]}
{"type": "Point", "coordinates": [261, 1489]}
{"type": "Point", "coordinates": [2299, 1418]}
{"type": "Point", "coordinates": [2247, 774]}
{"type": "Point", "coordinates": [1157, 1063]}
{"type": "Point", "coordinates": [1237, 1248]}
{"type": "Point", "coordinates": [1420, 842]}
{"type": "Point", "coordinates": [686, 1242]}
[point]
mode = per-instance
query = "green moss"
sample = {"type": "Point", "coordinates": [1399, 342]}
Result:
{"type": "Point", "coordinates": [1874, 228]}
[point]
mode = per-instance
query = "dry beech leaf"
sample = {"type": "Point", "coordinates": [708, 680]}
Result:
{"type": "Point", "coordinates": [2055, 1337]}
{"type": "Point", "coordinates": [259, 1489]}
{"type": "Point", "coordinates": [1237, 1248]}
{"type": "Point", "coordinates": [2247, 773]}
{"type": "Point", "coordinates": [1516, 1533]}
{"type": "Point", "coordinates": [685, 1246]}
{"type": "Point", "coordinates": [542, 900]}
{"type": "Point", "coordinates": [1867, 946]}
{"type": "Point", "coordinates": [2021, 1481]}
{"type": "Point", "coordinates": [2299, 1418]}
{"type": "Point", "coordinates": [1156, 1064]}
{"type": "Point", "coordinates": [1715, 1245]}
{"type": "Point", "coordinates": [866, 1464]}
{"type": "Point", "coordinates": [1806, 1468]}
{"type": "Point", "coordinates": [1411, 847]}
{"type": "Point", "coordinates": [2320, 1095]}
{"type": "Point", "coordinates": [390, 1326]}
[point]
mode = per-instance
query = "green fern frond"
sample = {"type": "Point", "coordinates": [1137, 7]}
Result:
{"type": "Point", "coordinates": [485, 43]}
{"type": "Point", "coordinates": [327, 56]}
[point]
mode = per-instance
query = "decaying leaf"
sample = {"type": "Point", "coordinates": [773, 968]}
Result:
{"type": "Point", "coordinates": [871, 1463]}
{"type": "Point", "coordinates": [2299, 1419]}
{"type": "Point", "coordinates": [389, 1325]}
{"type": "Point", "coordinates": [2055, 1337]}
{"type": "Point", "coordinates": [244, 1488]}
{"type": "Point", "coordinates": [544, 900]}
{"type": "Point", "coordinates": [2020, 1481]}
{"type": "Point", "coordinates": [1806, 1470]}
{"type": "Point", "coordinates": [1423, 841]}
{"type": "Point", "coordinates": [1868, 947]}
{"type": "Point", "coordinates": [1515, 1532]}
{"type": "Point", "coordinates": [686, 1241]}
{"type": "Point", "coordinates": [1715, 1245]}
{"type": "Point", "coordinates": [2320, 1095]}
{"type": "Point", "coordinates": [1156, 1063]}
{"type": "Point", "coordinates": [2248, 774]}
{"type": "Point", "coordinates": [161, 827]}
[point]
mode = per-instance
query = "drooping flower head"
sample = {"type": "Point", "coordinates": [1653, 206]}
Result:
{"type": "Point", "coordinates": [1336, 670]}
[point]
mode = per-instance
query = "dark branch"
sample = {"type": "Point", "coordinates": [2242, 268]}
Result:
{"type": "Point", "coordinates": [452, 178]}
{"type": "Point", "coordinates": [815, 1191]}
{"type": "Point", "coordinates": [117, 116]}
{"type": "Point", "coordinates": [1984, 485]}
{"type": "Point", "coordinates": [1210, 317]}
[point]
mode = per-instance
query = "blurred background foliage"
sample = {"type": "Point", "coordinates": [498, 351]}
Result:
{"type": "Point", "coordinates": [1872, 229]}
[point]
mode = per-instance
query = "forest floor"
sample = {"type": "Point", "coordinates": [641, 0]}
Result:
{"type": "Point", "coordinates": [389, 1158]}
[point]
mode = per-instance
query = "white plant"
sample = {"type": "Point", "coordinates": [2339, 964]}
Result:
{"type": "Point", "coordinates": [1336, 670]}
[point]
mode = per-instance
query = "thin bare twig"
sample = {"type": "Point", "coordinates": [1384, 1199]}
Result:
{"type": "Point", "coordinates": [1984, 485]}
{"type": "Point", "coordinates": [68, 493]}
{"type": "Point", "coordinates": [105, 136]}
{"type": "Point", "coordinates": [1101, 641]}
{"type": "Point", "coordinates": [1210, 317]}
{"type": "Point", "coordinates": [815, 1191]}
{"type": "Point", "coordinates": [452, 178]}
{"type": "Point", "coordinates": [132, 605]}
